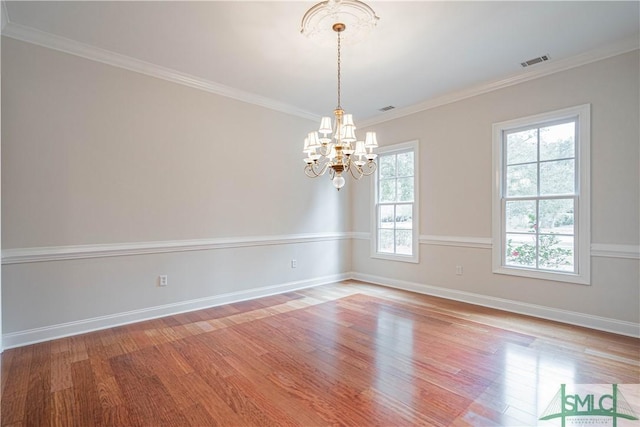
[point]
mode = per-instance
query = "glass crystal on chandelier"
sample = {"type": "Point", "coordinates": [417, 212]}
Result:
{"type": "Point", "coordinates": [338, 181]}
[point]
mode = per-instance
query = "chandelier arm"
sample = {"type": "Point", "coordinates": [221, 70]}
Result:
{"type": "Point", "coordinates": [315, 170]}
{"type": "Point", "coordinates": [365, 170]}
{"type": "Point", "coordinates": [324, 150]}
{"type": "Point", "coordinates": [308, 170]}
{"type": "Point", "coordinates": [324, 168]}
{"type": "Point", "coordinates": [358, 172]}
{"type": "Point", "coordinates": [371, 168]}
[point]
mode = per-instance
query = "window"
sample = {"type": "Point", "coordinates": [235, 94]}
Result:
{"type": "Point", "coordinates": [396, 206]}
{"type": "Point", "coordinates": [541, 196]}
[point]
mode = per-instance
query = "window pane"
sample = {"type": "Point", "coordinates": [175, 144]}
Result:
{"type": "Point", "coordinates": [395, 204]}
{"type": "Point", "coordinates": [386, 216]}
{"type": "Point", "coordinates": [556, 253]}
{"type": "Point", "coordinates": [557, 177]}
{"type": "Point", "coordinates": [385, 241]}
{"type": "Point", "coordinates": [521, 216]}
{"type": "Point", "coordinates": [405, 189]}
{"type": "Point", "coordinates": [522, 147]}
{"type": "Point", "coordinates": [404, 215]}
{"type": "Point", "coordinates": [404, 242]}
{"type": "Point", "coordinates": [522, 180]}
{"type": "Point", "coordinates": [387, 190]}
{"type": "Point", "coordinates": [405, 164]}
{"type": "Point", "coordinates": [520, 250]}
{"type": "Point", "coordinates": [387, 165]}
{"type": "Point", "coordinates": [557, 142]}
{"type": "Point", "coordinates": [556, 216]}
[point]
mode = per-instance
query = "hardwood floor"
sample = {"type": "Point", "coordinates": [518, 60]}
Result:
{"type": "Point", "coordinates": [344, 354]}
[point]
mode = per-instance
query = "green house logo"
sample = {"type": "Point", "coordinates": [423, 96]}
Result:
{"type": "Point", "coordinates": [596, 404]}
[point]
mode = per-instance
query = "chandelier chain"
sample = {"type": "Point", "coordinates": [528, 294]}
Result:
{"type": "Point", "coordinates": [339, 104]}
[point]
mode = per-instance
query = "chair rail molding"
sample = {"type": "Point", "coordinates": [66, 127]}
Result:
{"type": "Point", "coordinates": [60, 253]}
{"type": "Point", "coordinates": [615, 251]}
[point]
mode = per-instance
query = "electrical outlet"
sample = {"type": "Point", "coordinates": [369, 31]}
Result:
{"type": "Point", "coordinates": [294, 263]}
{"type": "Point", "coordinates": [163, 280]}
{"type": "Point", "coordinates": [458, 270]}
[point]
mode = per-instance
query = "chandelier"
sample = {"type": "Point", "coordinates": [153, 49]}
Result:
{"type": "Point", "coordinates": [335, 148]}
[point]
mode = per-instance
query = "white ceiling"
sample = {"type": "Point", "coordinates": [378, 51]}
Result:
{"type": "Point", "coordinates": [420, 51]}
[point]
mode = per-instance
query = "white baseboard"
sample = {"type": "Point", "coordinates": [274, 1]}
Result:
{"type": "Point", "coordinates": [571, 317]}
{"type": "Point", "coordinates": [32, 336]}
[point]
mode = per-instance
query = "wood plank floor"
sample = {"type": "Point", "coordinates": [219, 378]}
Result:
{"type": "Point", "coordinates": [343, 354]}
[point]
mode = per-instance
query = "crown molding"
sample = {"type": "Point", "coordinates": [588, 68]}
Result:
{"type": "Point", "coordinates": [72, 47]}
{"type": "Point", "coordinates": [62, 44]}
{"type": "Point", "coordinates": [532, 73]}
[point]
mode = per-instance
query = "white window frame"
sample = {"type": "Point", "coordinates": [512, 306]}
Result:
{"type": "Point", "coordinates": [582, 214]}
{"type": "Point", "coordinates": [397, 149]}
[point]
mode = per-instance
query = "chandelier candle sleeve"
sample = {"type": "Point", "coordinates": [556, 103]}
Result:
{"type": "Point", "coordinates": [337, 149]}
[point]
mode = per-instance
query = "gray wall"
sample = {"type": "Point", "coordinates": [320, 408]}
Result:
{"type": "Point", "coordinates": [98, 161]}
{"type": "Point", "coordinates": [456, 184]}
{"type": "Point", "coordinates": [94, 155]}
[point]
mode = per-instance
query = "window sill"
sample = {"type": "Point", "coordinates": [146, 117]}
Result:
{"type": "Point", "coordinates": [544, 275]}
{"type": "Point", "coordinates": [415, 259]}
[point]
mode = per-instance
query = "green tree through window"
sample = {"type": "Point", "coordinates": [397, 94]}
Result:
{"type": "Point", "coordinates": [541, 197]}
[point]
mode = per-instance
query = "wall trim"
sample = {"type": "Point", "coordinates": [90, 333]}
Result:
{"type": "Point", "coordinates": [63, 44]}
{"type": "Point", "coordinates": [460, 241]}
{"type": "Point", "coordinates": [32, 336]}
{"type": "Point", "coordinates": [570, 317]}
{"type": "Point", "coordinates": [52, 41]}
{"type": "Point", "coordinates": [615, 251]}
{"type": "Point", "coordinates": [361, 235]}
{"type": "Point", "coordinates": [62, 253]}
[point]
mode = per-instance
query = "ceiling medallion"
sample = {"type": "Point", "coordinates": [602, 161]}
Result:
{"type": "Point", "coordinates": [359, 18]}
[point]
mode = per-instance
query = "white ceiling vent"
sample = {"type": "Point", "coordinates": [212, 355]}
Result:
{"type": "Point", "coordinates": [534, 61]}
{"type": "Point", "coordinates": [387, 108]}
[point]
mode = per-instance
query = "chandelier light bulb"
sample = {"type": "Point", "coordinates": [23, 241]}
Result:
{"type": "Point", "coordinates": [338, 181]}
